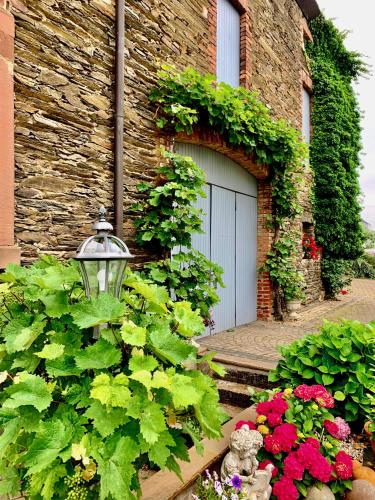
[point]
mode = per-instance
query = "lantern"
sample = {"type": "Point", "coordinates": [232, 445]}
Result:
{"type": "Point", "coordinates": [102, 260]}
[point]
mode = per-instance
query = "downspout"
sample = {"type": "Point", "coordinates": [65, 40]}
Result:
{"type": "Point", "coordinates": [119, 120]}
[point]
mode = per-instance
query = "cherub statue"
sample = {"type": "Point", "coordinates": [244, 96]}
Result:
{"type": "Point", "coordinates": [241, 461]}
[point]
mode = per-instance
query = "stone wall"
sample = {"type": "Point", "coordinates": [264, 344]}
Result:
{"type": "Point", "coordinates": [312, 274]}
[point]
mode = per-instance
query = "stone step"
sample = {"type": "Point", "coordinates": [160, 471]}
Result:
{"type": "Point", "coordinates": [234, 394]}
{"type": "Point", "coordinates": [247, 376]}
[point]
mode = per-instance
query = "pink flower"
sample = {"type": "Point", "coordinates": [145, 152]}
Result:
{"type": "Point", "coordinates": [313, 442]}
{"type": "Point", "coordinates": [303, 392]}
{"type": "Point", "coordinates": [241, 423]}
{"type": "Point", "coordinates": [307, 454]}
{"type": "Point", "coordinates": [274, 419]}
{"type": "Point", "coordinates": [272, 445]}
{"type": "Point", "coordinates": [331, 427]}
{"type": "Point", "coordinates": [264, 464]}
{"type": "Point", "coordinates": [343, 429]}
{"type": "Point", "coordinates": [322, 396]}
{"type": "Point", "coordinates": [286, 435]}
{"type": "Point", "coordinates": [344, 465]}
{"type": "Point", "coordinates": [321, 469]}
{"type": "Point", "coordinates": [279, 405]}
{"type": "Point", "coordinates": [263, 408]}
{"type": "Point", "coordinates": [293, 469]}
{"type": "Point", "coordinates": [285, 489]}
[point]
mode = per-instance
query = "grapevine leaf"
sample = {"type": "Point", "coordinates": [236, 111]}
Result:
{"type": "Point", "coordinates": [140, 362]}
{"type": "Point", "coordinates": [105, 420]}
{"type": "Point", "coordinates": [189, 322]}
{"type": "Point", "coordinates": [111, 391]}
{"type": "Point", "coordinates": [51, 351]}
{"type": "Point", "coordinates": [43, 482]}
{"type": "Point", "coordinates": [10, 432]}
{"type": "Point", "coordinates": [56, 304]}
{"type": "Point", "coordinates": [152, 422]}
{"type": "Point", "coordinates": [116, 469]}
{"type": "Point", "coordinates": [167, 346]}
{"type": "Point", "coordinates": [62, 367]}
{"type": "Point", "coordinates": [19, 337]}
{"type": "Point", "coordinates": [48, 443]}
{"type": "Point", "coordinates": [100, 355]}
{"type": "Point", "coordinates": [104, 309]}
{"type": "Point", "coordinates": [209, 414]}
{"type": "Point", "coordinates": [192, 431]}
{"type": "Point", "coordinates": [183, 391]}
{"type": "Point", "coordinates": [28, 390]}
{"type": "Point", "coordinates": [159, 451]}
{"type": "Point", "coordinates": [133, 334]}
{"type": "Point", "coordinates": [143, 377]}
{"type": "Point", "coordinates": [57, 277]}
{"type": "Point", "coordinates": [157, 295]}
{"type": "Point", "coordinates": [9, 480]}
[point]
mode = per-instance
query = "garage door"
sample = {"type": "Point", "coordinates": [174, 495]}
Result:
{"type": "Point", "coordinates": [230, 225]}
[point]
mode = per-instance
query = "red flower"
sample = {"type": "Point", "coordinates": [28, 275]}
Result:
{"type": "Point", "coordinates": [321, 469]}
{"type": "Point", "coordinates": [293, 467]}
{"type": "Point", "coordinates": [279, 405]}
{"type": "Point", "coordinates": [285, 489]}
{"type": "Point", "coordinates": [344, 292]}
{"type": "Point", "coordinates": [313, 442]}
{"type": "Point", "coordinates": [272, 445]}
{"type": "Point", "coordinates": [344, 465]}
{"type": "Point", "coordinates": [286, 435]}
{"type": "Point", "coordinates": [274, 419]}
{"type": "Point", "coordinates": [263, 408]}
{"type": "Point", "coordinates": [307, 454]}
{"type": "Point", "coordinates": [332, 428]}
{"type": "Point", "coordinates": [303, 392]}
{"type": "Point", "coordinates": [264, 464]}
{"type": "Point", "coordinates": [241, 423]}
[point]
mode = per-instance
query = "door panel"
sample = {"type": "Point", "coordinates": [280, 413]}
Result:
{"type": "Point", "coordinates": [201, 242]}
{"type": "Point", "coordinates": [222, 252]}
{"type": "Point", "coordinates": [246, 273]}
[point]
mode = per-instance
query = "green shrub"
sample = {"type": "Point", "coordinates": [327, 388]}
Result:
{"type": "Point", "coordinates": [364, 267]}
{"type": "Point", "coordinates": [337, 274]}
{"type": "Point", "coordinates": [342, 358]}
{"type": "Point", "coordinates": [81, 416]}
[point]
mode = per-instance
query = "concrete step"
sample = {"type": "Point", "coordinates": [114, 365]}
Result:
{"type": "Point", "coordinates": [247, 376]}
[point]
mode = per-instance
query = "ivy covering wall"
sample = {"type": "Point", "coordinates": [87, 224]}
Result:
{"type": "Point", "coordinates": [335, 152]}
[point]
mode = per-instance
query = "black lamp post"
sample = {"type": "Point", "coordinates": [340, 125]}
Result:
{"type": "Point", "coordinates": [102, 260]}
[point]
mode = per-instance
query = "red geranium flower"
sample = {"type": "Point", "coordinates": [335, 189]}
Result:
{"type": "Point", "coordinates": [264, 464]}
{"type": "Point", "coordinates": [274, 419]}
{"type": "Point", "coordinates": [344, 465]}
{"type": "Point", "coordinates": [272, 445]}
{"type": "Point", "coordinates": [285, 489]}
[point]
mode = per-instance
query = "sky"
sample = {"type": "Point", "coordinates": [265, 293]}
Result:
{"type": "Point", "coordinates": [357, 17]}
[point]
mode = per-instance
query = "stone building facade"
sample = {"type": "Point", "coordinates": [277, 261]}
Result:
{"type": "Point", "coordinates": [61, 54]}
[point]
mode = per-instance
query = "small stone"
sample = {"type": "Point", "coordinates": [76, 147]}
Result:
{"type": "Point", "coordinates": [361, 490]}
{"type": "Point", "coordinates": [53, 78]}
{"type": "Point", "coordinates": [314, 493]}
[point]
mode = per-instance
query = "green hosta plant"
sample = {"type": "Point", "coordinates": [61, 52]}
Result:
{"type": "Point", "coordinates": [79, 416]}
{"type": "Point", "coordinates": [341, 357]}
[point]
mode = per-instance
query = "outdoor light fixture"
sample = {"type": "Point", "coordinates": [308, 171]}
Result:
{"type": "Point", "coordinates": [102, 260]}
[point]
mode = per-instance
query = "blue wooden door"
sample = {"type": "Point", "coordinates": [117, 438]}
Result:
{"type": "Point", "coordinates": [230, 225]}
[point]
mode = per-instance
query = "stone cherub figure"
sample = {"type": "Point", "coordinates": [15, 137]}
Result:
{"type": "Point", "coordinates": [241, 461]}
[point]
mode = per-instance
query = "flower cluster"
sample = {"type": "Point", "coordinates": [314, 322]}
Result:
{"type": "Point", "coordinates": [310, 248]}
{"type": "Point", "coordinates": [295, 443]}
{"type": "Point", "coordinates": [210, 487]}
{"type": "Point", "coordinates": [315, 392]}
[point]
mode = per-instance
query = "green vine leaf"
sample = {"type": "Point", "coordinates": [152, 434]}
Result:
{"type": "Point", "coordinates": [111, 391]}
{"type": "Point", "coordinates": [100, 355]}
{"type": "Point", "coordinates": [28, 390]}
{"type": "Point", "coordinates": [104, 309]}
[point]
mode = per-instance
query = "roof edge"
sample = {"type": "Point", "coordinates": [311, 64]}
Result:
{"type": "Point", "coordinates": [310, 8]}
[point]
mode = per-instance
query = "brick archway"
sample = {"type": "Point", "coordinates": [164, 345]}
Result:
{"type": "Point", "coordinates": [213, 140]}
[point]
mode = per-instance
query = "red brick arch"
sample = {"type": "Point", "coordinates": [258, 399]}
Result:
{"type": "Point", "coordinates": [213, 140]}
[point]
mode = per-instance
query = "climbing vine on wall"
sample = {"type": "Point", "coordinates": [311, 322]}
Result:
{"type": "Point", "coordinates": [187, 99]}
{"type": "Point", "coordinates": [334, 152]}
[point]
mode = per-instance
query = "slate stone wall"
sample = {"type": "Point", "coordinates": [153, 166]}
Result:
{"type": "Point", "coordinates": [64, 97]}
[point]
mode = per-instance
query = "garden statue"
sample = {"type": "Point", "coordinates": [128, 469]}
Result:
{"type": "Point", "coordinates": [241, 461]}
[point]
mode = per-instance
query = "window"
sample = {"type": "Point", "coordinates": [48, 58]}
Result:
{"type": "Point", "coordinates": [306, 116]}
{"type": "Point", "coordinates": [228, 43]}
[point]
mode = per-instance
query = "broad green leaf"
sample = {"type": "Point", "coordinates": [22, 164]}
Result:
{"type": "Point", "coordinates": [105, 419]}
{"type": "Point", "coordinates": [209, 414]}
{"type": "Point", "coordinates": [63, 366]}
{"type": "Point", "coordinates": [183, 391]}
{"type": "Point", "coordinates": [28, 390]}
{"type": "Point", "coordinates": [9, 434]}
{"type": "Point", "coordinates": [215, 367]}
{"type": "Point", "coordinates": [46, 446]}
{"type": "Point", "coordinates": [327, 379]}
{"type": "Point", "coordinates": [152, 422]}
{"type": "Point", "coordinates": [100, 355]}
{"type": "Point", "coordinates": [339, 396]}
{"type": "Point", "coordinates": [19, 337]}
{"type": "Point", "coordinates": [157, 295]}
{"type": "Point", "coordinates": [56, 304]}
{"type": "Point", "coordinates": [189, 322]}
{"type": "Point", "coordinates": [141, 362]}
{"type": "Point", "coordinates": [57, 277]}
{"type": "Point", "coordinates": [9, 480]}
{"type": "Point", "coordinates": [111, 391]}
{"type": "Point", "coordinates": [192, 431]}
{"type": "Point", "coordinates": [116, 469]}
{"type": "Point", "coordinates": [143, 377]}
{"type": "Point", "coordinates": [159, 451]}
{"type": "Point", "coordinates": [133, 334]}
{"type": "Point", "coordinates": [43, 483]}
{"type": "Point", "coordinates": [104, 309]}
{"type": "Point", "coordinates": [168, 346]}
{"type": "Point", "coordinates": [51, 351]}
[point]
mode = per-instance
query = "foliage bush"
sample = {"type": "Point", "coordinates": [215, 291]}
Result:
{"type": "Point", "coordinates": [302, 441]}
{"type": "Point", "coordinates": [335, 149]}
{"type": "Point", "coordinates": [341, 357]}
{"type": "Point", "coordinates": [187, 99]}
{"type": "Point", "coordinates": [337, 275]}
{"type": "Point", "coordinates": [81, 416]}
{"type": "Point", "coordinates": [364, 267]}
{"type": "Point", "coordinates": [169, 218]}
